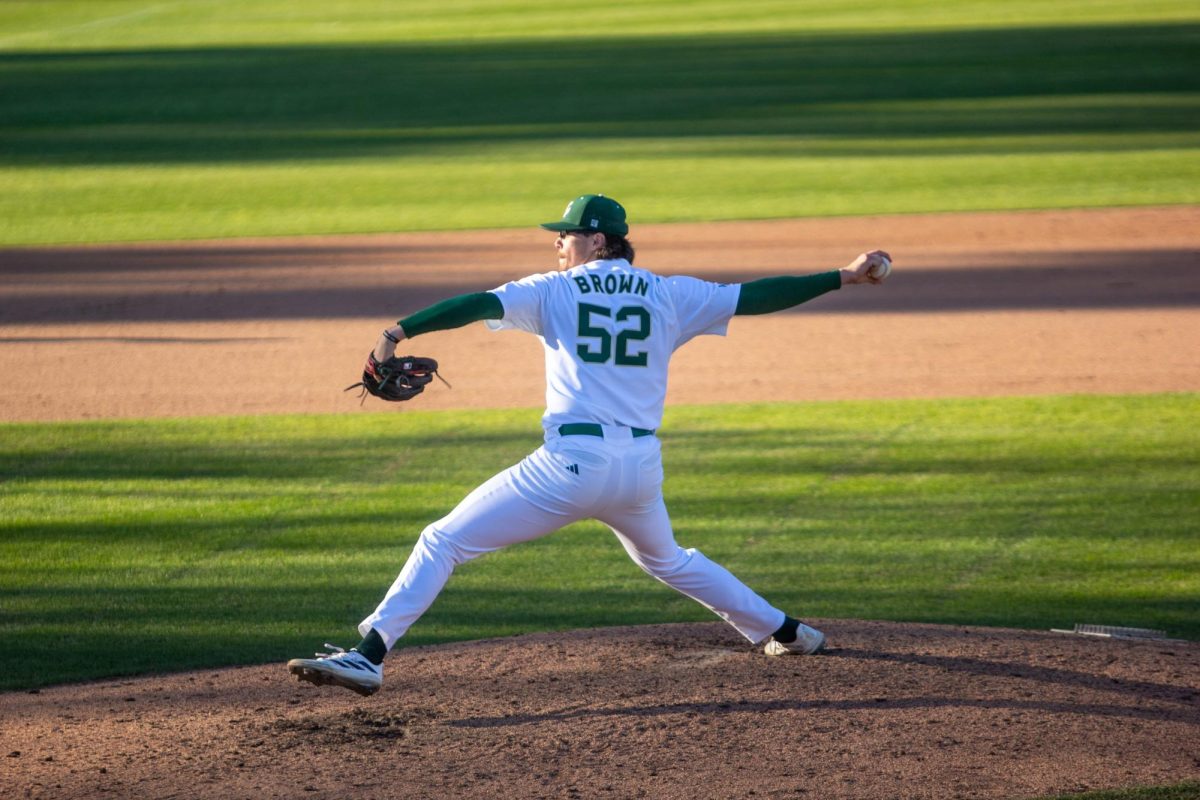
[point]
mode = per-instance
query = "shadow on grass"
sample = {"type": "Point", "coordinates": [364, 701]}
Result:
{"type": "Point", "coordinates": [87, 632]}
{"type": "Point", "coordinates": [271, 103]}
{"type": "Point", "coordinates": [352, 457]}
{"type": "Point", "coordinates": [217, 602]}
{"type": "Point", "coordinates": [282, 613]}
{"type": "Point", "coordinates": [122, 453]}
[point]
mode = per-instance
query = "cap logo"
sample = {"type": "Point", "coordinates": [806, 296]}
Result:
{"type": "Point", "coordinates": [595, 223]}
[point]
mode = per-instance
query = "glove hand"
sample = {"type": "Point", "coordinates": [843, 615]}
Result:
{"type": "Point", "coordinates": [385, 348]}
{"type": "Point", "coordinates": [396, 379]}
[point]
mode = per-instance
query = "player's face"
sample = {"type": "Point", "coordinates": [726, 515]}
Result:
{"type": "Point", "coordinates": [577, 248]}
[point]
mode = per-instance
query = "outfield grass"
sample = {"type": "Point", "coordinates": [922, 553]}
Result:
{"type": "Point", "coordinates": [1189, 790]}
{"type": "Point", "coordinates": [102, 24]}
{"type": "Point", "coordinates": [130, 546]}
{"type": "Point", "coordinates": [130, 120]}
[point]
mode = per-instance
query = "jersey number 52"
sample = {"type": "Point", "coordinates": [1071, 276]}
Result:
{"type": "Point", "coordinates": [603, 349]}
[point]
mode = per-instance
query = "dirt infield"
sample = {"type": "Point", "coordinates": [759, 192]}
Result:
{"type": "Point", "coordinates": [980, 304]}
{"type": "Point", "coordinates": [677, 711]}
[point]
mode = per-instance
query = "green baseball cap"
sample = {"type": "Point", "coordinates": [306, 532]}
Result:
{"type": "Point", "coordinates": [592, 212]}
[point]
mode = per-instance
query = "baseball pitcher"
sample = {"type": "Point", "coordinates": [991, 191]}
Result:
{"type": "Point", "coordinates": [608, 329]}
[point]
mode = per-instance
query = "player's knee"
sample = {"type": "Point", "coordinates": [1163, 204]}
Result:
{"type": "Point", "coordinates": [437, 545]}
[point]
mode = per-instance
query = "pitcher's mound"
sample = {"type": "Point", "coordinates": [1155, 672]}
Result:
{"type": "Point", "coordinates": [669, 711]}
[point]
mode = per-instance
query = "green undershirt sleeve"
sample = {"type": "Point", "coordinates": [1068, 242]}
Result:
{"type": "Point", "coordinates": [453, 313]}
{"type": "Point", "coordinates": [775, 294]}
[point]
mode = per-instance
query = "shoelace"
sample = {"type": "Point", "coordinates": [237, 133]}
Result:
{"type": "Point", "coordinates": [334, 651]}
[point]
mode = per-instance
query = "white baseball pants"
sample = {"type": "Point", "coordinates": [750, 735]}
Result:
{"type": "Point", "coordinates": [616, 480]}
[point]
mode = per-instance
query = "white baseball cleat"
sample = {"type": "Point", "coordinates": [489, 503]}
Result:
{"type": "Point", "coordinates": [808, 642]}
{"type": "Point", "coordinates": [339, 667]}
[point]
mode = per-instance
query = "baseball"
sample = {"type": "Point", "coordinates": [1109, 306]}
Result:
{"type": "Point", "coordinates": [881, 270]}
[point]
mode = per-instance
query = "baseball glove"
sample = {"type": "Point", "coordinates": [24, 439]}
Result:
{"type": "Point", "coordinates": [398, 378]}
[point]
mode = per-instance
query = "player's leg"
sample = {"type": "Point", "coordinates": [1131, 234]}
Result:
{"type": "Point", "coordinates": [646, 535]}
{"type": "Point", "coordinates": [524, 502]}
{"type": "Point", "coordinates": [643, 526]}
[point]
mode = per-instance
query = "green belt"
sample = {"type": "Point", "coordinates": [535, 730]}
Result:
{"type": "Point", "coordinates": [592, 429]}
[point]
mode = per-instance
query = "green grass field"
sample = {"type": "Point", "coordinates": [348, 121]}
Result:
{"type": "Point", "coordinates": [137, 120]}
{"type": "Point", "coordinates": [147, 546]}
{"type": "Point", "coordinates": [1189, 790]}
{"type": "Point", "coordinates": [139, 546]}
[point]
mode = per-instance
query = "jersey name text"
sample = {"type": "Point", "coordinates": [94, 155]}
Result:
{"type": "Point", "coordinates": [612, 284]}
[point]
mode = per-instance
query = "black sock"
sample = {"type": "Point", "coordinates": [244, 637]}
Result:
{"type": "Point", "coordinates": [373, 648]}
{"type": "Point", "coordinates": [787, 631]}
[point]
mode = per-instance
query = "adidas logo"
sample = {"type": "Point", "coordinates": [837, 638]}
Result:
{"type": "Point", "coordinates": [573, 468]}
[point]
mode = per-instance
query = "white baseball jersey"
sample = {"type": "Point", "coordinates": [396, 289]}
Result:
{"type": "Point", "coordinates": [609, 329]}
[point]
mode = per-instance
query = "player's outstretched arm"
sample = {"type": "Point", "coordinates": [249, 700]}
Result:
{"type": "Point", "coordinates": [452, 313]}
{"type": "Point", "coordinates": [766, 295]}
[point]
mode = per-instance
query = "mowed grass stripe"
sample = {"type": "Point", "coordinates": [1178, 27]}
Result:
{"type": "Point", "coordinates": [1188, 790]}
{"type": "Point", "coordinates": [285, 137]}
{"type": "Point", "coordinates": [140, 546]}
{"type": "Point", "coordinates": [107, 24]}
